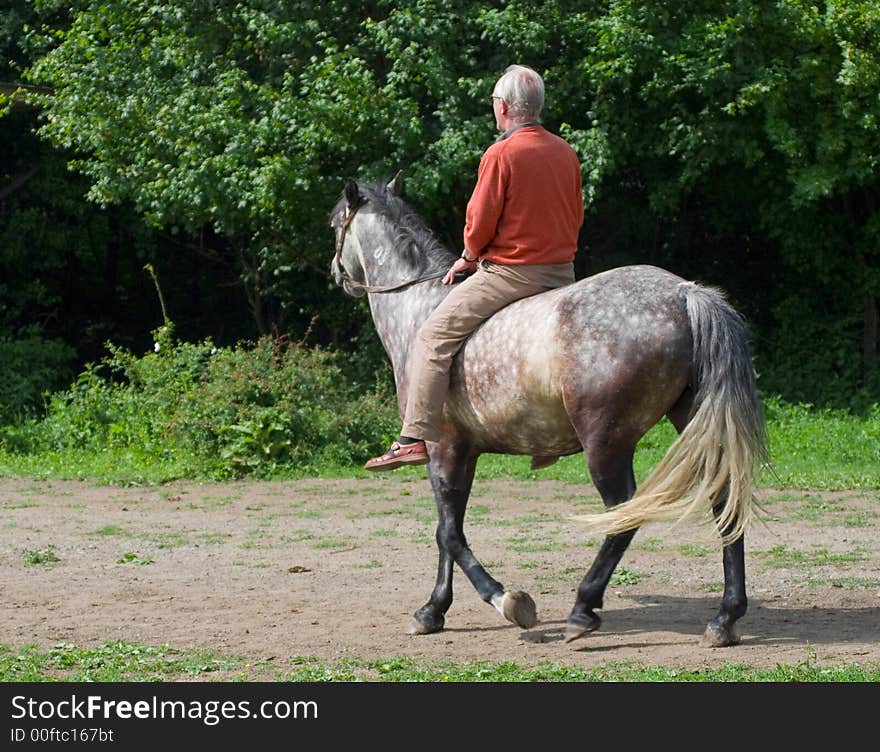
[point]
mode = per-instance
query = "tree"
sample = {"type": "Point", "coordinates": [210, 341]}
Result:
{"type": "Point", "coordinates": [777, 105]}
{"type": "Point", "coordinates": [71, 270]}
{"type": "Point", "coordinates": [732, 141]}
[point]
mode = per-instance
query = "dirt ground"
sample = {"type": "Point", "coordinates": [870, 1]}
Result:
{"type": "Point", "coordinates": [335, 568]}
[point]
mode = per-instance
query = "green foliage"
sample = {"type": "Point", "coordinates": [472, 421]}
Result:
{"type": "Point", "coordinates": [808, 356]}
{"type": "Point", "coordinates": [218, 412]}
{"type": "Point", "coordinates": [29, 369]}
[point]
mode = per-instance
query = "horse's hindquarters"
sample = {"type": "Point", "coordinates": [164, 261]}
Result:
{"type": "Point", "coordinates": [608, 355]}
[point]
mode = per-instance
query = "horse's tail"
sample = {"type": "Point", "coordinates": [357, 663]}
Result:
{"type": "Point", "coordinates": [711, 465]}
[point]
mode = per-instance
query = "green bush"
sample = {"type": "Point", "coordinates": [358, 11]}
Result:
{"type": "Point", "coordinates": [29, 368]}
{"type": "Point", "coordinates": [811, 354]}
{"type": "Point", "coordinates": [255, 409]}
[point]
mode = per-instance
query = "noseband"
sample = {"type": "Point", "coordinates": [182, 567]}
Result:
{"type": "Point", "coordinates": [344, 224]}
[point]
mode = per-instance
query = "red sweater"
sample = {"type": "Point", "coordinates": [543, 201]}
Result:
{"type": "Point", "coordinates": [527, 206]}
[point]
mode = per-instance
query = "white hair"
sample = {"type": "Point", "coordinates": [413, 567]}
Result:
{"type": "Point", "coordinates": [523, 90]}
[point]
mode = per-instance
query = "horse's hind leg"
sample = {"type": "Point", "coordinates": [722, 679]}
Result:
{"type": "Point", "coordinates": [720, 631]}
{"type": "Point", "coordinates": [612, 474]}
{"type": "Point", "coordinates": [583, 618]}
{"type": "Point", "coordinates": [452, 472]}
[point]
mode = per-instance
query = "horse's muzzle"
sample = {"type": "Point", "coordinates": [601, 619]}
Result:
{"type": "Point", "coordinates": [339, 278]}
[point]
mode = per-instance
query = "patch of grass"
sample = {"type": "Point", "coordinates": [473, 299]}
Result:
{"type": "Point", "coordinates": [210, 504]}
{"type": "Point", "coordinates": [110, 662]}
{"type": "Point", "coordinates": [783, 557]}
{"type": "Point", "coordinates": [19, 505]}
{"type": "Point", "coordinates": [107, 465]}
{"type": "Point", "coordinates": [529, 521]}
{"type": "Point", "coordinates": [333, 543]}
{"type": "Point", "coordinates": [255, 545]}
{"type": "Point", "coordinates": [816, 508]}
{"type": "Point", "coordinates": [649, 544]}
{"type": "Point", "coordinates": [125, 662]}
{"type": "Point", "coordinates": [213, 538]}
{"type": "Point", "coordinates": [411, 669]}
{"type": "Point", "coordinates": [785, 496]}
{"type": "Point", "coordinates": [528, 565]}
{"type": "Point", "coordinates": [40, 557]}
{"type": "Point", "coordinates": [848, 583]}
{"type": "Point", "coordinates": [414, 510]}
{"type": "Point", "coordinates": [384, 533]}
{"type": "Point", "coordinates": [133, 558]}
{"type": "Point", "coordinates": [695, 550]}
{"type": "Point", "coordinates": [161, 539]}
{"type": "Point", "coordinates": [170, 539]}
{"type": "Point", "coordinates": [848, 445]}
{"type": "Point", "coordinates": [112, 530]}
{"type": "Point", "coordinates": [861, 519]}
{"type": "Point", "coordinates": [526, 544]}
{"type": "Point", "coordinates": [822, 557]}
{"type": "Point", "coordinates": [623, 576]}
{"type": "Point", "coordinates": [568, 577]}
{"type": "Point", "coordinates": [298, 536]}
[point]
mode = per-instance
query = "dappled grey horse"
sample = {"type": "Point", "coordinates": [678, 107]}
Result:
{"type": "Point", "coordinates": [588, 367]}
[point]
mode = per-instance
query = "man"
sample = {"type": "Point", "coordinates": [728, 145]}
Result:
{"type": "Point", "coordinates": [520, 238]}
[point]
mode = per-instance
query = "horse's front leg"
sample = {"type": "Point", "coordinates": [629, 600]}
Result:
{"type": "Point", "coordinates": [720, 631]}
{"type": "Point", "coordinates": [451, 471]}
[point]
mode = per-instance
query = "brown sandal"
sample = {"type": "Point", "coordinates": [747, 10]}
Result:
{"type": "Point", "coordinates": [399, 455]}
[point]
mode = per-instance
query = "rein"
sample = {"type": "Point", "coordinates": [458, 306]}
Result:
{"type": "Point", "coordinates": [340, 242]}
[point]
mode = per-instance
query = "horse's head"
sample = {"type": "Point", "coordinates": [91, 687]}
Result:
{"type": "Point", "coordinates": [357, 248]}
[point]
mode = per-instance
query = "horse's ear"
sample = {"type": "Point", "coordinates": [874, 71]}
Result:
{"type": "Point", "coordinates": [352, 194]}
{"type": "Point", "coordinates": [395, 187]}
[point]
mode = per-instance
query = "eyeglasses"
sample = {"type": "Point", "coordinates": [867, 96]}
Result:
{"type": "Point", "coordinates": [494, 97]}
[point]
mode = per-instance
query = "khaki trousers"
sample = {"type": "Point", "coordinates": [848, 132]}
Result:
{"type": "Point", "coordinates": [470, 303]}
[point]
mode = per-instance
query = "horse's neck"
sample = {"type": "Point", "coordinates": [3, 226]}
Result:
{"type": "Point", "coordinates": [398, 317]}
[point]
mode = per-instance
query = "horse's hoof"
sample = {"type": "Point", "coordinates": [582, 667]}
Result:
{"type": "Point", "coordinates": [580, 626]}
{"type": "Point", "coordinates": [519, 608]}
{"type": "Point", "coordinates": [716, 636]}
{"type": "Point", "coordinates": [425, 623]}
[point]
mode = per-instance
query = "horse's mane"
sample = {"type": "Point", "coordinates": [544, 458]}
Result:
{"type": "Point", "coordinates": [413, 241]}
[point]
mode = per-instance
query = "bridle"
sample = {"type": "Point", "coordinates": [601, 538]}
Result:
{"type": "Point", "coordinates": [344, 224]}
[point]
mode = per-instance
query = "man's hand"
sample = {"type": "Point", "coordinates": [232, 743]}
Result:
{"type": "Point", "coordinates": [460, 265]}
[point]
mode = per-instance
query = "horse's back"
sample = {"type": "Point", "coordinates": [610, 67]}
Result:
{"type": "Point", "coordinates": [614, 346]}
